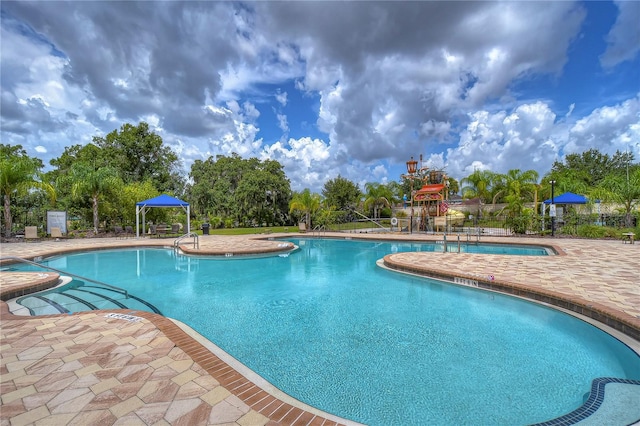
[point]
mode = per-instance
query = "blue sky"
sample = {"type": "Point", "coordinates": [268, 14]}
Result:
{"type": "Point", "coordinates": [328, 88]}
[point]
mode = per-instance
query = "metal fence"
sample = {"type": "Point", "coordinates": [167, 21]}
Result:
{"type": "Point", "coordinates": [570, 224]}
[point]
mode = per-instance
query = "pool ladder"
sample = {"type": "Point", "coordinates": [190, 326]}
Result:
{"type": "Point", "coordinates": [319, 230]}
{"type": "Point", "coordinates": [196, 240]}
{"type": "Point", "coordinates": [444, 241]}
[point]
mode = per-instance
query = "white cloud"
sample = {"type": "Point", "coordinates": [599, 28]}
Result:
{"type": "Point", "coordinates": [609, 128]}
{"type": "Point", "coordinates": [281, 97]}
{"type": "Point", "coordinates": [282, 122]}
{"type": "Point", "coordinates": [529, 137]}
{"type": "Point", "coordinates": [500, 141]}
{"type": "Point", "coordinates": [304, 159]}
{"type": "Point", "coordinates": [623, 40]}
{"type": "Point", "coordinates": [387, 81]}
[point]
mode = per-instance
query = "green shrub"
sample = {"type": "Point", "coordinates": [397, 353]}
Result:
{"type": "Point", "coordinates": [385, 212]}
{"type": "Point", "coordinates": [519, 224]}
{"type": "Point", "coordinates": [592, 231]}
{"type": "Point", "coordinates": [216, 221]}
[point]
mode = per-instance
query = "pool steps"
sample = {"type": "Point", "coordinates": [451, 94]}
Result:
{"type": "Point", "coordinates": [78, 297]}
{"type": "Point", "coordinates": [593, 406]}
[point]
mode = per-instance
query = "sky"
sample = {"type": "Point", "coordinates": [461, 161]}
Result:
{"type": "Point", "coordinates": [328, 88]}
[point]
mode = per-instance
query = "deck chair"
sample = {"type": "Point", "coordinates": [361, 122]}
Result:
{"type": "Point", "coordinates": [56, 232]}
{"type": "Point", "coordinates": [128, 231]}
{"type": "Point", "coordinates": [31, 233]}
{"type": "Point", "coordinates": [153, 230]}
{"type": "Point", "coordinates": [175, 229]}
{"type": "Point", "coordinates": [302, 227]}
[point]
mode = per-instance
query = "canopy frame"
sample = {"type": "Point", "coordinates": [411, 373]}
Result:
{"type": "Point", "coordinates": [162, 201]}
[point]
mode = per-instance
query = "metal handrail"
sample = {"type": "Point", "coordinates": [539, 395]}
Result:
{"type": "Point", "coordinates": [319, 228]}
{"type": "Point", "coordinates": [29, 262]}
{"type": "Point", "coordinates": [370, 220]}
{"type": "Point", "coordinates": [196, 240]}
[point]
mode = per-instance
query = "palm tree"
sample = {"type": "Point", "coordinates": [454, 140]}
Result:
{"type": "Point", "coordinates": [306, 202]}
{"type": "Point", "coordinates": [477, 185]}
{"type": "Point", "coordinates": [85, 180]}
{"type": "Point", "coordinates": [18, 175]}
{"type": "Point", "coordinates": [378, 196]}
{"type": "Point", "coordinates": [620, 190]}
{"type": "Point", "coordinates": [515, 184]}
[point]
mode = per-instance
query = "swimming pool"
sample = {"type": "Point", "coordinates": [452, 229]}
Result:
{"type": "Point", "coordinates": [331, 329]}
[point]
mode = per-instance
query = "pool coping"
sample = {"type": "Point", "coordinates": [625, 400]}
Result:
{"type": "Point", "coordinates": [617, 320]}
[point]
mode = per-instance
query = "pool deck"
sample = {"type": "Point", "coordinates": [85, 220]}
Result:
{"type": "Point", "coordinates": [142, 368]}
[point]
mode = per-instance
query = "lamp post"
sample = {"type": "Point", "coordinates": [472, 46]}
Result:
{"type": "Point", "coordinates": [412, 166]}
{"type": "Point", "coordinates": [552, 210]}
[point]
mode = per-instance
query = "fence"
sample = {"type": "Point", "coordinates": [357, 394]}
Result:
{"type": "Point", "coordinates": [590, 225]}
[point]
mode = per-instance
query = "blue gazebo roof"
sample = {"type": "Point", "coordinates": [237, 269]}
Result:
{"type": "Point", "coordinates": [568, 198]}
{"type": "Point", "coordinates": [163, 200]}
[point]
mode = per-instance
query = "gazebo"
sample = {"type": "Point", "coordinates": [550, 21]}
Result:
{"type": "Point", "coordinates": [562, 199]}
{"type": "Point", "coordinates": [568, 198]}
{"type": "Point", "coordinates": [163, 200]}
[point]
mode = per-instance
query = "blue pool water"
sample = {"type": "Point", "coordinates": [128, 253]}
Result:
{"type": "Point", "coordinates": [330, 328]}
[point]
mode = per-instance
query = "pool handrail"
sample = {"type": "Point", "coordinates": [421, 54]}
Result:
{"type": "Point", "coordinates": [370, 220]}
{"type": "Point", "coordinates": [319, 229]}
{"type": "Point", "coordinates": [196, 240]}
{"type": "Point", "coordinates": [30, 262]}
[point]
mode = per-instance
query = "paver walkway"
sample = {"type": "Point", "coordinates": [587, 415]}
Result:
{"type": "Point", "coordinates": [92, 368]}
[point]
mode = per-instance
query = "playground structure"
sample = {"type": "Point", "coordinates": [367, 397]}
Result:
{"type": "Point", "coordinates": [431, 200]}
{"type": "Point", "coordinates": [429, 204]}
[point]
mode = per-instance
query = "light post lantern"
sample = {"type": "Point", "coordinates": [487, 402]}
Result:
{"type": "Point", "coordinates": [412, 167]}
{"type": "Point", "coordinates": [552, 209]}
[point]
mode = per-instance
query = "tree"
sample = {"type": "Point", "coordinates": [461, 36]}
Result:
{"type": "Point", "coordinates": [515, 185]}
{"type": "Point", "coordinates": [306, 202]}
{"type": "Point", "coordinates": [19, 173]}
{"type": "Point", "coordinates": [88, 154]}
{"type": "Point", "coordinates": [569, 180]}
{"type": "Point", "coordinates": [262, 194]}
{"type": "Point", "coordinates": [341, 193]}
{"type": "Point", "coordinates": [95, 183]}
{"type": "Point", "coordinates": [248, 191]}
{"type": "Point", "coordinates": [478, 185]}
{"type": "Point", "coordinates": [377, 196]}
{"type": "Point", "coordinates": [396, 190]}
{"type": "Point", "coordinates": [589, 168]}
{"type": "Point", "coordinates": [454, 186]}
{"type": "Point", "coordinates": [123, 202]}
{"type": "Point", "coordinates": [140, 154]}
{"type": "Point", "coordinates": [620, 189]}
{"type": "Point", "coordinates": [215, 182]}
